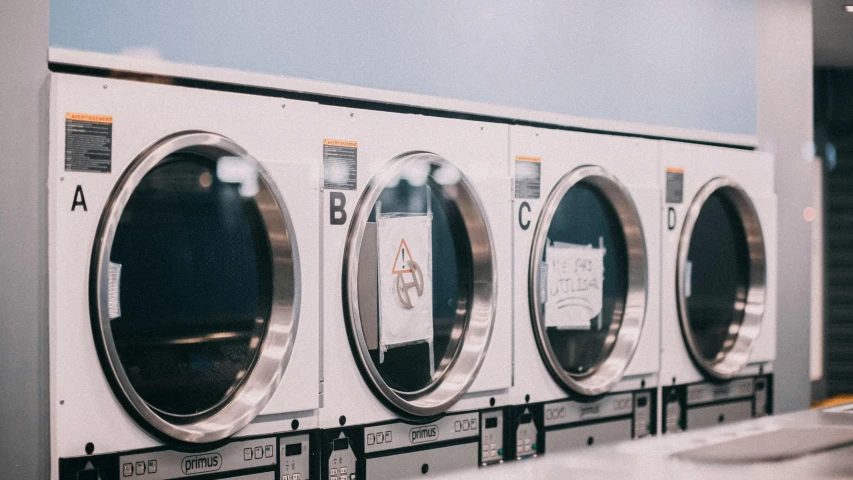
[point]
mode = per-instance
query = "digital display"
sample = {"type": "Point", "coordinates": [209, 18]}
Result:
{"type": "Point", "coordinates": [525, 418]}
{"type": "Point", "coordinates": [492, 422]}
{"type": "Point", "coordinates": [642, 401]}
{"type": "Point", "coordinates": [340, 444]}
{"type": "Point", "coordinates": [293, 449]}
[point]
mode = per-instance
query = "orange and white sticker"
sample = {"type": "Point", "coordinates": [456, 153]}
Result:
{"type": "Point", "coordinates": [85, 117]}
{"type": "Point", "coordinates": [340, 143]}
{"type": "Point", "coordinates": [522, 158]}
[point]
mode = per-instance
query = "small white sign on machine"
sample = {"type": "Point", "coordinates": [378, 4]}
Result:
{"type": "Point", "coordinates": [575, 281]}
{"type": "Point", "coordinates": [405, 281]}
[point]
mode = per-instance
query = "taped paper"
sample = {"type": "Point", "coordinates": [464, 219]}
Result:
{"type": "Point", "coordinates": [405, 279]}
{"type": "Point", "coordinates": [575, 278]}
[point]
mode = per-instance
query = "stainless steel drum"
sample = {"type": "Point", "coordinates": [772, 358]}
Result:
{"type": "Point", "coordinates": [194, 288]}
{"type": "Point", "coordinates": [720, 280]}
{"type": "Point", "coordinates": [427, 376]}
{"type": "Point", "coordinates": [587, 281]}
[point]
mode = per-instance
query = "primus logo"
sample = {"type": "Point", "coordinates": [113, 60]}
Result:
{"type": "Point", "coordinates": [428, 433]}
{"type": "Point", "coordinates": [588, 410]}
{"type": "Point", "coordinates": [209, 462]}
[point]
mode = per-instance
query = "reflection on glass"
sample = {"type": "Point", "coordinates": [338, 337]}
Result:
{"type": "Point", "coordinates": [716, 277]}
{"type": "Point", "coordinates": [435, 239]}
{"type": "Point", "coordinates": [584, 280]}
{"type": "Point", "coordinates": [194, 289]}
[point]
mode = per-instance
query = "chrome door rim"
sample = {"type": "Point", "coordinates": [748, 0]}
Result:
{"type": "Point", "coordinates": [260, 384]}
{"type": "Point", "coordinates": [624, 335]}
{"type": "Point", "coordinates": [740, 341]}
{"type": "Point", "coordinates": [455, 377]}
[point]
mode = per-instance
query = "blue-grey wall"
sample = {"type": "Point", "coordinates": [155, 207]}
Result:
{"type": "Point", "coordinates": [688, 63]}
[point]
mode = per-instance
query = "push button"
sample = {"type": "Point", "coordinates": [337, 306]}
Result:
{"type": "Point", "coordinates": [295, 476]}
{"type": "Point", "coordinates": [343, 470]}
{"type": "Point", "coordinates": [380, 437]}
{"type": "Point", "coordinates": [127, 469]}
{"type": "Point", "coordinates": [285, 477]}
{"type": "Point", "coordinates": [268, 451]}
{"type": "Point", "coordinates": [247, 454]}
{"type": "Point", "coordinates": [152, 466]}
{"type": "Point", "coordinates": [371, 439]}
{"type": "Point", "coordinates": [140, 468]}
{"type": "Point", "coordinates": [466, 425]}
{"type": "Point", "coordinates": [259, 452]}
{"type": "Point", "coordinates": [388, 436]}
{"type": "Point", "coordinates": [457, 426]}
{"type": "Point", "coordinates": [334, 472]}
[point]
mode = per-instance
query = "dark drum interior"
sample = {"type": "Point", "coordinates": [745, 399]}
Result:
{"type": "Point", "coordinates": [718, 260]}
{"type": "Point", "coordinates": [195, 286]}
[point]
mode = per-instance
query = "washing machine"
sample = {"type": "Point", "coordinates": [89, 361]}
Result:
{"type": "Point", "coordinates": [718, 285]}
{"type": "Point", "coordinates": [417, 305]}
{"type": "Point", "coordinates": [586, 243]}
{"type": "Point", "coordinates": [184, 293]}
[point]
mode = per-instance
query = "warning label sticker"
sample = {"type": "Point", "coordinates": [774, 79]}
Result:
{"type": "Point", "coordinates": [88, 143]}
{"type": "Point", "coordinates": [674, 185]}
{"type": "Point", "coordinates": [528, 174]}
{"type": "Point", "coordinates": [340, 164]}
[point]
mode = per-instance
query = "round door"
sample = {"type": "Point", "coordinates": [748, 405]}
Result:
{"type": "Point", "coordinates": [419, 284]}
{"type": "Point", "coordinates": [194, 288]}
{"type": "Point", "coordinates": [587, 281]}
{"type": "Point", "coordinates": [720, 278]}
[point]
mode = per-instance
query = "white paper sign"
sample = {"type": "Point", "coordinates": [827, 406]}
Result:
{"type": "Point", "coordinates": [405, 280]}
{"type": "Point", "coordinates": [575, 282]}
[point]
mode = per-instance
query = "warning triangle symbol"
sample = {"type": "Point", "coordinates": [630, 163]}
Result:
{"type": "Point", "coordinates": [403, 256]}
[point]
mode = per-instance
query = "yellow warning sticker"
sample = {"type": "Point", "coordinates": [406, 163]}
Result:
{"type": "Point", "coordinates": [85, 117]}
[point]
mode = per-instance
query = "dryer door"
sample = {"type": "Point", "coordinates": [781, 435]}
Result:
{"type": "Point", "coordinates": [419, 284]}
{"type": "Point", "coordinates": [194, 288]}
{"type": "Point", "coordinates": [720, 278]}
{"type": "Point", "coordinates": [587, 281]}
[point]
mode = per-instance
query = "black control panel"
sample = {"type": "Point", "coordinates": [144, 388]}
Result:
{"type": "Point", "coordinates": [283, 457]}
{"type": "Point", "coordinates": [705, 404]}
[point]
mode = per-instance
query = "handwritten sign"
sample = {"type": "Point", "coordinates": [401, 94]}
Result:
{"type": "Point", "coordinates": [575, 279]}
{"type": "Point", "coordinates": [405, 280]}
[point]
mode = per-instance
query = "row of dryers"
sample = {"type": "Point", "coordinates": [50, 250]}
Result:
{"type": "Point", "coordinates": [262, 288]}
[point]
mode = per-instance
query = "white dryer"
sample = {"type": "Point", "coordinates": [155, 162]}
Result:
{"type": "Point", "coordinates": [417, 302]}
{"type": "Point", "coordinates": [718, 285]}
{"type": "Point", "coordinates": [586, 263]}
{"type": "Point", "coordinates": [183, 283]}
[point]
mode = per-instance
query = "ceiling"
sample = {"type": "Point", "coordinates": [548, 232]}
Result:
{"type": "Point", "coordinates": [833, 33]}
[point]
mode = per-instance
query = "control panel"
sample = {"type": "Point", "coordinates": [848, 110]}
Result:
{"type": "Point", "coordinates": [294, 459]}
{"type": "Point", "coordinates": [492, 437]}
{"type": "Point", "coordinates": [526, 434]}
{"type": "Point", "coordinates": [276, 458]}
{"type": "Point", "coordinates": [341, 463]}
{"type": "Point", "coordinates": [644, 418]}
{"type": "Point", "coordinates": [705, 404]}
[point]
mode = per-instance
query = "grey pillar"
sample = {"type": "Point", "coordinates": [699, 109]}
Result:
{"type": "Point", "coordinates": [784, 34]}
{"type": "Point", "coordinates": [24, 402]}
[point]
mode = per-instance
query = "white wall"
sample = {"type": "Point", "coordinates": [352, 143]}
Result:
{"type": "Point", "coordinates": [689, 63]}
